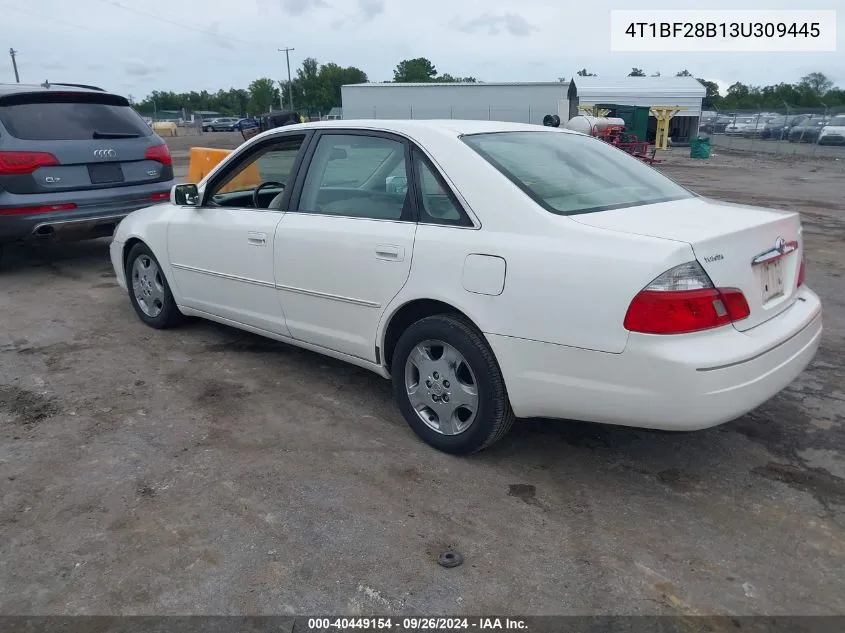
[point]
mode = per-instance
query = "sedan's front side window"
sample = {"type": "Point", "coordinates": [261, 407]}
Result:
{"type": "Point", "coordinates": [271, 166]}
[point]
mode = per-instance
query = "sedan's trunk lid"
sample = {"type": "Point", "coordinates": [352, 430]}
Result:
{"type": "Point", "coordinates": [754, 249]}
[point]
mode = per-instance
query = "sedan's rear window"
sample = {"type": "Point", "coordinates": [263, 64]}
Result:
{"type": "Point", "coordinates": [70, 118]}
{"type": "Point", "coordinates": [570, 173]}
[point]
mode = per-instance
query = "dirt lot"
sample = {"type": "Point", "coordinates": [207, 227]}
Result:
{"type": "Point", "coordinates": [208, 471]}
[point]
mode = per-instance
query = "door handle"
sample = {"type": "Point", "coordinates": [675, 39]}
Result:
{"type": "Point", "coordinates": [256, 239]}
{"type": "Point", "coordinates": [390, 252]}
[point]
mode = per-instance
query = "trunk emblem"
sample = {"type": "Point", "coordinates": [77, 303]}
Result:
{"type": "Point", "coordinates": [105, 153]}
{"type": "Point", "coordinates": [781, 248]}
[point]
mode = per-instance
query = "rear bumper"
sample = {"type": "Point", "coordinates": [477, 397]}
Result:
{"type": "Point", "coordinates": [90, 219]}
{"type": "Point", "coordinates": [680, 383]}
{"type": "Point", "coordinates": [832, 139]}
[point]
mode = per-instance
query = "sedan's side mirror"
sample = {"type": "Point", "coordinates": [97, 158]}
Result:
{"type": "Point", "coordinates": [185, 195]}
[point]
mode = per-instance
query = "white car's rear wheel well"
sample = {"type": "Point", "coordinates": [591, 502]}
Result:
{"type": "Point", "coordinates": [409, 314]}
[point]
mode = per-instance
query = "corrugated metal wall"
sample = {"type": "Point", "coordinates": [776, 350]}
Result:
{"type": "Point", "coordinates": [691, 105]}
{"type": "Point", "coordinates": [517, 103]}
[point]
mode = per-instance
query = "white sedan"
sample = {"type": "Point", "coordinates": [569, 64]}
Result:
{"type": "Point", "coordinates": [490, 270]}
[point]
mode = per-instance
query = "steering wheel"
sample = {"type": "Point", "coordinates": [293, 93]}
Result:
{"type": "Point", "coordinates": [269, 183]}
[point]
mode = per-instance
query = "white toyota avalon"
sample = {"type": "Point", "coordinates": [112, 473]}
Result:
{"type": "Point", "coordinates": [490, 270]}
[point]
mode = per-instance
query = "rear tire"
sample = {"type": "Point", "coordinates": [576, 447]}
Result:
{"type": "Point", "coordinates": [449, 387]}
{"type": "Point", "coordinates": [149, 291]}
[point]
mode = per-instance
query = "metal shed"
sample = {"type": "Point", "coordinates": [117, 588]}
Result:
{"type": "Point", "coordinates": [685, 92]}
{"type": "Point", "coordinates": [518, 102]}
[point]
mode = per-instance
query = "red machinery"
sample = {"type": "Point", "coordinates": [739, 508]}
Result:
{"type": "Point", "coordinates": [615, 135]}
{"type": "Point", "coordinates": [609, 130]}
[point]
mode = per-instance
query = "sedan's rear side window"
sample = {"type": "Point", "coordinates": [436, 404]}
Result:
{"type": "Point", "coordinates": [71, 118]}
{"type": "Point", "coordinates": [571, 173]}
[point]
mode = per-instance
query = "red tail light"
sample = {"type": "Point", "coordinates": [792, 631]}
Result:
{"type": "Point", "coordinates": [801, 272]}
{"type": "Point", "coordinates": [683, 300]}
{"type": "Point", "coordinates": [17, 163]}
{"type": "Point", "coordinates": [45, 208]}
{"type": "Point", "coordinates": [161, 195]}
{"type": "Point", "coordinates": [159, 153]}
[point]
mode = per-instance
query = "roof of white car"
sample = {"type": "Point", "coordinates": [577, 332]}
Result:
{"type": "Point", "coordinates": [452, 127]}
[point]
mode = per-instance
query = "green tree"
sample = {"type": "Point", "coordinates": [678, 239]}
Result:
{"type": "Point", "coordinates": [816, 83]}
{"type": "Point", "coordinates": [262, 95]}
{"type": "Point", "coordinates": [446, 78]}
{"type": "Point", "coordinates": [332, 76]}
{"type": "Point", "coordinates": [636, 72]}
{"type": "Point", "coordinates": [683, 73]}
{"type": "Point", "coordinates": [712, 98]}
{"type": "Point", "coordinates": [419, 70]}
{"type": "Point", "coordinates": [584, 73]}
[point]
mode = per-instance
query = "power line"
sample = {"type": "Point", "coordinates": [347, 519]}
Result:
{"type": "Point", "coordinates": [97, 31]}
{"type": "Point", "coordinates": [181, 25]}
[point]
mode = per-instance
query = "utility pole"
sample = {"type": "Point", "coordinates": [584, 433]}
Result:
{"type": "Point", "coordinates": [13, 52]}
{"type": "Point", "coordinates": [290, 86]}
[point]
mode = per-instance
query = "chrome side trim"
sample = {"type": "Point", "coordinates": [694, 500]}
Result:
{"type": "Point", "coordinates": [212, 273]}
{"type": "Point", "coordinates": [326, 295]}
{"type": "Point", "coordinates": [269, 284]}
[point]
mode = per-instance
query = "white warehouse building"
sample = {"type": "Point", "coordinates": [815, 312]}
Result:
{"type": "Point", "coordinates": [524, 102]}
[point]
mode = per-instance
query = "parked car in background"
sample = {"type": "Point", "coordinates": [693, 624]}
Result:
{"type": "Point", "coordinates": [777, 128]}
{"type": "Point", "coordinates": [716, 125]}
{"type": "Point", "coordinates": [243, 124]}
{"type": "Point", "coordinates": [808, 130]}
{"type": "Point", "coordinates": [74, 162]}
{"type": "Point", "coordinates": [756, 129]}
{"type": "Point", "coordinates": [220, 124]}
{"type": "Point", "coordinates": [833, 133]}
{"type": "Point", "coordinates": [740, 126]}
{"type": "Point", "coordinates": [429, 252]}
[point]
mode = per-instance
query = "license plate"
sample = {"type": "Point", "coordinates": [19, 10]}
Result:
{"type": "Point", "coordinates": [772, 280]}
{"type": "Point", "coordinates": [105, 174]}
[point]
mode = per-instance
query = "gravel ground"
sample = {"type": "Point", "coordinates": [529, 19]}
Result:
{"type": "Point", "coordinates": [207, 471]}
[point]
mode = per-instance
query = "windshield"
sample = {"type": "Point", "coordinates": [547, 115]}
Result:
{"type": "Point", "coordinates": [569, 174]}
{"type": "Point", "coordinates": [838, 121]}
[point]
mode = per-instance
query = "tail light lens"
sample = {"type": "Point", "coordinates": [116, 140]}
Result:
{"type": "Point", "coordinates": [684, 300]}
{"type": "Point", "coordinates": [159, 153]}
{"type": "Point", "coordinates": [17, 163]}
{"type": "Point", "coordinates": [161, 195]}
{"type": "Point", "coordinates": [801, 272]}
{"type": "Point", "coordinates": [44, 208]}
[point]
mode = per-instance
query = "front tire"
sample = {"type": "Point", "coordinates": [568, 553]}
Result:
{"type": "Point", "coordinates": [449, 387]}
{"type": "Point", "coordinates": [149, 291]}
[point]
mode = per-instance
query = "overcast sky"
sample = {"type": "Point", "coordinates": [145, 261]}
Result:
{"type": "Point", "coordinates": [136, 46]}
